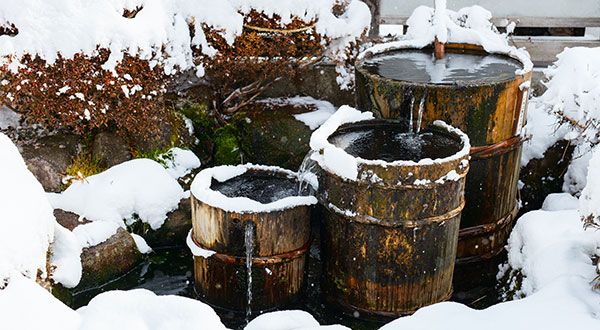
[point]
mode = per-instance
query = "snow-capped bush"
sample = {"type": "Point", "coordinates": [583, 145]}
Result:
{"type": "Point", "coordinates": [97, 63]}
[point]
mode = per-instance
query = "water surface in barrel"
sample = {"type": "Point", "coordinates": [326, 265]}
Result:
{"type": "Point", "coordinates": [391, 142]}
{"type": "Point", "coordinates": [420, 66]}
{"type": "Point", "coordinates": [260, 187]}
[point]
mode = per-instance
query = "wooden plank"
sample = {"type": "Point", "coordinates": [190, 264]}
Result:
{"type": "Point", "coordinates": [543, 50]}
{"type": "Point", "coordinates": [526, 21]}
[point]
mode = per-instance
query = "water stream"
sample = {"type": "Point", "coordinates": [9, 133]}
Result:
{"type": "Point", "coordinates": [307, 175]}
{"type": "Point", "coordinates": [420, 115]}
{"type": "Point", "coordinates": [249, 242]}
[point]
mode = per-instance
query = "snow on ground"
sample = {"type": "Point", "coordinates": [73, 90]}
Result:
{"type": "Point", "coordinates": [180, 162]}
{"type": "Point", "coordinates": [288, 320]}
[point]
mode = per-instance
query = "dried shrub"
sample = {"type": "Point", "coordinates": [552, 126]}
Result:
{"type": "Point", "coordinates": [265, 52]}
{"type": "Point", "coordinates": [80, 94]}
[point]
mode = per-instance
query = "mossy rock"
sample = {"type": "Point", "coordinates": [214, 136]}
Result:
{"type": "Point", "coordinates": [204, 128]}
{"type": "Point", "coordinates": [269, 134]}
{"type": "Point", "coordinates": [227, 149]}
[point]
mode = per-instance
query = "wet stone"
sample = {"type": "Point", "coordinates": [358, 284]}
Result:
{"type": "Point", "coordinates": [259, 187]}
{"type": "Point", "coordinates": [420, 66]}
{"type": "Point", "coordinates": [391, 142]}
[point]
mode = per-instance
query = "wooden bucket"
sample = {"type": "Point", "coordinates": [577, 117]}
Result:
{"type": "Point", "coordinates": [389, 237]}
{"type": "Point", "coordinates": [221, 225]}
{"type": "Point", "coordinates": [492, 113]}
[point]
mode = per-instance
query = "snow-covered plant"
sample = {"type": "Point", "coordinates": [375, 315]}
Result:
{"type": "Point", "coordinates": [101, 62]}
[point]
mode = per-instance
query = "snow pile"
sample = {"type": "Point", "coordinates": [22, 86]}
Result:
{"type": "Point", "coordinates": [159, 32]}
{"type": "Point", "coordinates": [27, 306]}
{"type": "Point", "coordinates": [574, 89]}
{"type": "Point", "coordinates": [469, 25]}
{"type": "Point", "coordinates": [200, 188]}
{"type": "Point", "coordinates": [28, 226]}
{"type": "Point", "coordinates": [313, 119]}
{"type": "Point", "coordinates": [554, 255]}
{"type": "Point", "coordinates": [336, 160]}
{"type": "Point", "coordinates": [180, 162]}
{"type": "Point", "coordinates": [139, 187]}
{"type": "Point", "coordinates": [288, 320]}
{"type": "Point", "coordinates": [141, 309]}
{"type": "Point", "coordinates": [26, 217]}
{"type": "Point", "coordinates": [8, 118]}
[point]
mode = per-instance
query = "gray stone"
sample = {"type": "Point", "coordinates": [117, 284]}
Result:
{"type": "Point", "coordinates": [49, 158]}
{"type": "Point", "coordinates": [175, 229]}
{"type": "Point", "coordinates": [110, 149]}
{"type": "Point", "coordinates": [106, 261]}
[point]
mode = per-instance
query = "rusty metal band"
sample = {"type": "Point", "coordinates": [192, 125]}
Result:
{"type": "Point", "coordinates": [258, 261]}
{"type": "Point", "coordinates": [492, 150]}
{"type": "Point", "coordinates": [350, 309]}
{"type": "Point", "coordinates": [479, 230]}
{"type": "Point", "coordinates": [262, 29]}
{"type": "Point", "coordinates": [393, 224]}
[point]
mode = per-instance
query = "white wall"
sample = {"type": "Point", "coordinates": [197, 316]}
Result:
{"type": "Point", "coordinates": [503, 8]}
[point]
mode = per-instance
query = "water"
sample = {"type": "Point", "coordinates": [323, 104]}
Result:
{"type": "Point", "coordinates": [420, 66]}
{"type": "Point", "coordinates": [420, 116]}
{"type": "Point", "coordinates": [249, 242]}
{"type": "Point", "coordinates": [391, 141]}
{"type": "Point", "coordinates": [307, 175]}
{"type": "Point", "coordinates": [264, 188]}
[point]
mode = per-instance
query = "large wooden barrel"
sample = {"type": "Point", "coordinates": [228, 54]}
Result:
{"type": "Point", "coordinates": [249, 228]}
{"type": "Point", "coordinates": [389, 235]}
{"type": "Point", "coordinates": [491, 110]}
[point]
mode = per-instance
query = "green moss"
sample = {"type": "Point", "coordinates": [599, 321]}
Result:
{"type": "Point", "coordinates": [204, 127]}
{"type": "Point", "coordinates": [227, 149]}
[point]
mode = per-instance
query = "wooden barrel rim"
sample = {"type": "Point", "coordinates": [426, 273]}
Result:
{"type": "Point", "coordinates": [502, 147]}
{"type": "Point", "coordinates": [403, 223]}
{"type": "Point", "coordinates": [488, 227]}
{"type": "Point", "coordinates": [432, 185]}
{"type": "Point", "coordinates": [258, 261]}
{"type": "Point", "coordinates": [344, 306]}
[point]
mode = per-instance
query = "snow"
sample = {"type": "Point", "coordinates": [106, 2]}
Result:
{"type": "Point", "coordinates": [141, 244]}
{"type": "Point", "coordinates": [469, 25]}
{"type": "Point", "coordinates": [338, 161]}
{"type": "Point", "coordinates": [313, 119]}
{"type": "Point", "coordinates": [160, 32]}
{"type": "Point", "coordinates": [195, 249]}
{"type": "Point", "coordinates": [27, 306]}
{"type": "Point", "coordinates": [543, 129]}
{"type": "Point", "coordinates": [574, 87]}
{"type": "Point", "coordinates": [288, 320]}
{"type": "Point", "coordinates": [26, 217]}
{"type": "Point", "coordinates": [8, 118]}
{"type": "Point", "coordinates": [66, 256]}
{"type": "Point", "coordinates": [139, 187]}
{"type": "Point", "coordinates": [141, 309]}
{"type": "Point", "coordinates": [560, 201]}
{"type": "Point", "coordinates": [590, 196]}
{"type": "Point", "coordinates": [200, 188]}
{"type": "Point", "coordinates": [180, 162]}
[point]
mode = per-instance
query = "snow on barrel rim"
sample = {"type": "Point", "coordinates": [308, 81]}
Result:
{"type": "Point", "coordinates": [201, 190]}
{"type": "Point", "coordinates": [468, 25]}
{"type": "Point", "coordinates": [338, 161]}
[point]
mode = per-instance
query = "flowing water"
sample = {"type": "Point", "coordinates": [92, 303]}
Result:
{"type": "Point", "coordinates": [249, 243]}
{"type": "Point", "coordinates": [307, 175]}
{"type": "Point", "coordinates": [420, 66]}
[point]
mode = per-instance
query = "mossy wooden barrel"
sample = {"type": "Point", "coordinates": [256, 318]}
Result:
{"type": "Point", "coordinates": [389, 233]}
{"type": "Point", "coordinates": [481, 98]}
{"type": "Point", "coordinates": [249, 229]}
